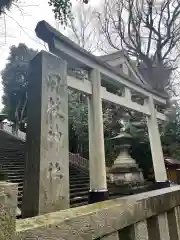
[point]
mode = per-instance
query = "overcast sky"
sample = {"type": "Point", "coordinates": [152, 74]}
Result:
{"type": "Point", "coordinates": [20, 25]}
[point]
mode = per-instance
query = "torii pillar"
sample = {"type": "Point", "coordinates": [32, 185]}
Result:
{"type": "Point", "coordinates": [156, 147]}
{"type": "Point", "coordinates": [97, 166]}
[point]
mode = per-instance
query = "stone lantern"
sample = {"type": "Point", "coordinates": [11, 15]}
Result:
{"type": "Point", "coordinates": [125, 169]}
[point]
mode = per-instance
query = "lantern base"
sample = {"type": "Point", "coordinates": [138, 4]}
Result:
{"type": "Point", "coordinates": [125, 174]}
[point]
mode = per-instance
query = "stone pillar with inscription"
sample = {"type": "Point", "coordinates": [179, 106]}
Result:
{"type": "Point", "coordinates": [46, 183]}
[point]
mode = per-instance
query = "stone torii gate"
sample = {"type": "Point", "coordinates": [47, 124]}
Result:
{"type": "Point", "coordinates": [48, 144]}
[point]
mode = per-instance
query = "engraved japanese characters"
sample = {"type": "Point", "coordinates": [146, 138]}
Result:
{"type": "Point", "coordinates": [55, 114]}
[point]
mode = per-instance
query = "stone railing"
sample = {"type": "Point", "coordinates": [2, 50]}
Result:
{"type": "Point", "coordinates": [147, 216]}
{"type": "Point", "coordinates": [20, 135]}
{"type": "Point", "coordinates": [75, 159]}
{"type": "Point", "coordinates": [79, 161]}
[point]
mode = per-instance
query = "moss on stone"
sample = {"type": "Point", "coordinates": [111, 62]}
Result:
{"type": "Point", "coordinates": [64, 215]}
{"type": "Point", "coordinates": [7, 222]}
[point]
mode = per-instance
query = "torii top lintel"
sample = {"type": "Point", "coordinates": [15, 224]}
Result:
{"type": "Point", "coordinates": [76, 56]}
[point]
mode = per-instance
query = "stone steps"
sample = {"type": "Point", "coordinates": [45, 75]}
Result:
{"type": "Point", "coordinates": [16, 179]}
{"type": "Point", "coordinates": [79, 184]}
{"type": "Point", "coordinates": [79, 199]}
{"type": "Point", "coordinates": [79, 194]}
{"type": "Point", "coordinates": [12, 164]}
{"type": "Point", "coordinates": [13, 171]}
{"type": "Point", "coordinates": [76, 189]}
{"type": "Point", "coordinates": [79, 179]}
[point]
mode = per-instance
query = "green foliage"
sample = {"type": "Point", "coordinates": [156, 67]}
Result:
{"type": "Point", "coordinates": [15, 83]}
{"type": "Point", "coordinates": [5, 4]}
{"type": "Point", "coordinates": [170, 135]}
{"type": "Point", "coordinates": [78, 123]}
{"type": "Point", "coordinates": [61, 9]}
{"type": "Point", "coordinates": [14, 80]}
{"type": "Point", "coordinates": [140, 150]}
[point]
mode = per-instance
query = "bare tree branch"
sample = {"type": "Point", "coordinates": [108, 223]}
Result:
{"type": "Point", "coordinates": [82, 28]}
{"type": "Point", "coordinates": [147, 30]}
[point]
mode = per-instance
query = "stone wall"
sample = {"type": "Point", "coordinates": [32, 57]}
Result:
{"type": "Point", "coordinates": [8, 205]}
{"type": "Point", "coordinates": [153, 215]}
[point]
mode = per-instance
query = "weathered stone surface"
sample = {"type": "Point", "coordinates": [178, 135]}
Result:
{"type": "Point", "coordinates": [172, 224]}
{"type": "Point", "coordinates": [46, 186]}
{"type": "Point", "coordinates": [8, 204]}
{"type": "Point", "coordinates": [100, 219]}
{"type": "Point", "coordinates": [140, 231]}
{"type": "Point", "coordinates": [96, 140]}
{"type": "Point", "coordinates": [10, 190]}
{"type": "Point", "coordinates": [177, 215]}
{"type": "Point", "coordinates": [125, 168]}
{"type": "Point", "coordinates": [155, 144]}
{"type": "Point", "coordinates": [163, 226]}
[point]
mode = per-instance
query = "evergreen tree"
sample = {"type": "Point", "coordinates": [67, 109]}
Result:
{"type": "Point", "coordinates": [14, 80]}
